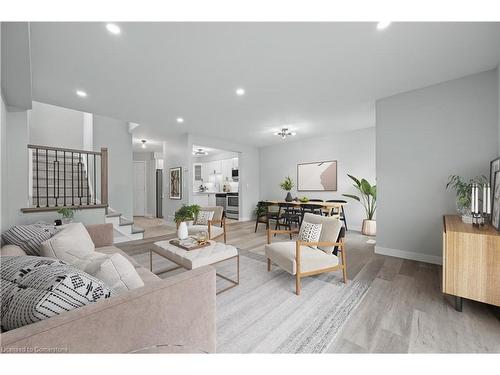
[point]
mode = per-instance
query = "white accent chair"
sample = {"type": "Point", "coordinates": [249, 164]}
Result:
{"type": "Point", "coordinates": [215, 227]}
{"type": "Point", "coordinates": [301, 260]}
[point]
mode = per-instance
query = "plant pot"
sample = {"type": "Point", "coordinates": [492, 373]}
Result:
{"type": "Point", "coordinates": [67, 220]}
{"type": "Point", "coordinates": [369, 227]}
{"type": "Point", "coordinates": [182, 231]}
{"type": "Point", "coordinates": [288, 197]}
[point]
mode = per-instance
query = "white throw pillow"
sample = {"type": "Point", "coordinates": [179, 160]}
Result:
{"type": "Point", "coordinates": [72, 245]}
{"type": "Point", "coordinates": [310, 232]}
{"type": "Point", "coordinates": [203, 217]}
{"type": "Point", "coordinates": [116, 271]}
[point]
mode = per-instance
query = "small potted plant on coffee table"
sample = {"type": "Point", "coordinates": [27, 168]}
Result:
{"type": "Point", "coordinates": [183, 215]}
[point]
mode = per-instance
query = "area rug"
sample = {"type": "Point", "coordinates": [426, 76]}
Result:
{"type": "Point", "coordinates": [263, 314]}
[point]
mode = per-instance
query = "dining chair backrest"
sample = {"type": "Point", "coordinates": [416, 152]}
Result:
{"type": "Point", "coordinates": [336, 201]}
{"type": "Point", "coordinates": [316, 200]}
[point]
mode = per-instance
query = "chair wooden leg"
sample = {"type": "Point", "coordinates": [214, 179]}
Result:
{"type": "Point", "coordinates": [268, 265]}
{"type": "Point", "coordinates": [256, 223]}
{"type": "Point", "coordinates": [344, 265]}
{"type": "Point", "coordinates": [297, 284]}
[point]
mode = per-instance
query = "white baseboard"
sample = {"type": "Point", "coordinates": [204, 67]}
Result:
{"type": "Point", "coordinates": [426, 258]}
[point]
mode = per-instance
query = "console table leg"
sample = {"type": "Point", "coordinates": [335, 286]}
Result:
{"type": "Point", "coordinates": [458, 303]}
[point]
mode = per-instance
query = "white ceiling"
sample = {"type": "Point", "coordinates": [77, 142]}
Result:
{"type": "Point", "coordinates": [312, 77]}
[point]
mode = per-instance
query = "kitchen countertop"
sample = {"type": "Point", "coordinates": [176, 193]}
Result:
{"type": "Point", "coordinates": [212, 192]}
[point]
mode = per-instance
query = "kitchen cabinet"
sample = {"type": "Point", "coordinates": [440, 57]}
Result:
{"type": "Point", "coordinates": [211, 199]}
{"type": "Point", "coordinates": [197, 167]}
{"type": "Point", "coordinates": [200, 199]}
{"type": "Point", "coordinates": [214, 166]}
{"type": "Point", "coordinates": [227, 167]}
{"type": "Point", "coordinates": [235, 162]}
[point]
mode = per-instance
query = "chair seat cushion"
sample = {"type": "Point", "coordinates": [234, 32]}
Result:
{"type": "Point", "coordinates": [283, 254]}
{"type": "Point", "coordinates": [214, 230]}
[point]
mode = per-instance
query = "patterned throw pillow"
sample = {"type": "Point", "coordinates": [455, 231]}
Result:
{"type": "Point", "coordinates": [37, 288]}
{"type": "Point", "coordinates": [29, 237]}
{"type": "Point", "coordinates": [203, 217]}
{"type": "Point", "coordinates": [310, 232]}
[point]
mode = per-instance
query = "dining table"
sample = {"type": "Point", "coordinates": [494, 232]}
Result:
{"type": "Point", "coordinates": [329, 208]}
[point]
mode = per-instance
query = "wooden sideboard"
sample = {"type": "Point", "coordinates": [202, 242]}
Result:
{"type": "Point", "coordinates": [471, 262]}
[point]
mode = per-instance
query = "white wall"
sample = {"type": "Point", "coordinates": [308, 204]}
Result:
{"type": "Point", "coordinates": [55, 126]}
{"type": "Point", "coordinates": [423, 136]}
{"type": "Point", "coordinates": [498, 93]}
{"type": "Point", "coordinates": [248, 165]}
{"type": "Point", "coordinates": [354, 152]}
{"type": "Point", "coordinates": [176, 154]}
{"type": "Point", "coordinates": [4, 222]}
{"type": "Point", "coordinates": [114, 135]}
{"type": "Point", "coordinates": [148, 158]}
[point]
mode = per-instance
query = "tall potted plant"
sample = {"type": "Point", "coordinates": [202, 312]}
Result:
{"type": "Point", "coordinates": [182, 215]}
{"type": "Point", "coordinates": [463, 190]}
{"type": "Point", "coordinates": [287, 185]}
{"type": "Point", "coordinates": [368, 198]}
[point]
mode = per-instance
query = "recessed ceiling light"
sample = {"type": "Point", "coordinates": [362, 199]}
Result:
{"type": "Point", "coordinates": [383, 25]}
{"type": "Point", "coordinates": [180, 120]}
{"type": "Point", "coordinates": [81, 93]}
{"type": "Point", "coordinates": [113, 28]}
{"type": "Point", "coordinates": [143, 143]}
{"type": "Point", "coordinates": [240, 91]}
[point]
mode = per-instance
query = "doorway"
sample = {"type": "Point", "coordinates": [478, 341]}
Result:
{"type": "Point", "coordinates": [139, 188]}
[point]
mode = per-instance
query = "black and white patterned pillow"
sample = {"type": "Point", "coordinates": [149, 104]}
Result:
{"type": "Point", "coordinates": [203, 217]}
{"type": "Point", "coordinates": [37, 288]}
{"type": "Point", "coordinates": [29, 237]}
{"type": "Point", "coordinates": [310, 232]}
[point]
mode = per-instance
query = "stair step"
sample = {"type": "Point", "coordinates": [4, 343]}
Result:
{"type": "Point", "coordinates": [137, 230]}
{"type": "Point", "coordinates": [112, 213]}
{"type": "Point", "coordinates": [124, 222]}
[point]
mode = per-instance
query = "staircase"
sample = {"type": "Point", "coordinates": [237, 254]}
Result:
{"type": "Point", "coordinates": [75, 179]}
{"type": "Point", "coordinates": [58, 182]}
{"type": "Point", "coordinates": [124, 229]}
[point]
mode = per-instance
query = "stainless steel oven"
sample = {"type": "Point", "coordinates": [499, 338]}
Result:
{"type": "Point", "coordinates": [232, 206]}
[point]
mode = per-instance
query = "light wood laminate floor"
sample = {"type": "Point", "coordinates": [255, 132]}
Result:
{"type": "Point", "coordinates": [403, 310]}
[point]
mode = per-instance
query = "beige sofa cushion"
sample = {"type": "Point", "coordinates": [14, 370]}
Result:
{"type": "Point", "coordinates": [147, 276]}
{"type": "Point", "coordinates": [116, 271]}
{"type": "Point", "coordinates": [11, 250]}
{"type": "Point", "coordinates": [72, 245]}
{"type": "Point", "coordinates": [283, 254]}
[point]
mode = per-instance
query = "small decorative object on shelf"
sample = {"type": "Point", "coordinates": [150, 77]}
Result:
{"type": "Point", "coordinates": [67, 214]}
{"type": "Point", "coordinates": [480, 217]}
{"type": "Point", "coordinates": [464, 191]}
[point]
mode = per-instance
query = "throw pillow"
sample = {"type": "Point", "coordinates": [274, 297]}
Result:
{"type": "Point", "coordinates": [11, 250]}
{"type": "Point", "coordinates": [116, 271]}
{"type": "Point", "coordinates": [29, 237]}
{"type": "Point", "coordinates": [310, 232]}
{"type": "Point", "coordinates": [72, 245]}
{"type": "Point", "coordinates": [203, 217]}
{"type": "Point", "coordinates": [37, 288]}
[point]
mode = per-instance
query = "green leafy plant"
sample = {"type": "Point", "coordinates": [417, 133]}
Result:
{"type": "Point", "coordinates": [66, 212]}
{"type": "Point", "coordinates": [186, 213]}
{"type": "Point", "coordinates": [287, 184]}
{"type": "Point", "coordinates": [368, 195]}
{"type": "Point", "coordinates": [463, 190]}
{"type": "Point", "coordinates": [260, 210]}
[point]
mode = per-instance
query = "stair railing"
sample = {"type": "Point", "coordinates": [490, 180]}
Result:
{"type": "Point", "coordinates": [64, 177]}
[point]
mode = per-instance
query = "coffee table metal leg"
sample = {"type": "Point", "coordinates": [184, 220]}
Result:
{"type": "Point", "coordinates": [234, 282]}
{"type": "Point", "coordinates": [151, 260]}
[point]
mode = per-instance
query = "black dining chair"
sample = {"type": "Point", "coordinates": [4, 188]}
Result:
{"type": "Point", "coordinates": [288, 215]}
{"type": "Point", "coordinates": [342, 212]}
{"type": "Point", "coordinates": [265, 213]}
{"type": "Point", "coordinates": [310, 208]}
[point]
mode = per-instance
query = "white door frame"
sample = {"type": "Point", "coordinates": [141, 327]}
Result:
{"type": "Point", "coordinates": [143, 162]}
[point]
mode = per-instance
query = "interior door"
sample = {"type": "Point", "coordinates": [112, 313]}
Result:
{"type": "Point", "coordinates": [139, 188]}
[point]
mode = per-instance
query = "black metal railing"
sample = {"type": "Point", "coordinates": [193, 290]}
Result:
{"type": "Point", "coordinates": [84, 178]}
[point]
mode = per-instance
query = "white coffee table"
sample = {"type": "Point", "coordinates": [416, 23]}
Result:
{"type": "Point", "coordinates": [216, 252]}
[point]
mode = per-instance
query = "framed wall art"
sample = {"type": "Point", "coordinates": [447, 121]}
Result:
{"type": "Point", "coordinates": [176, 183]}
{"type": "Point", "coordinates": [317, 176]}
